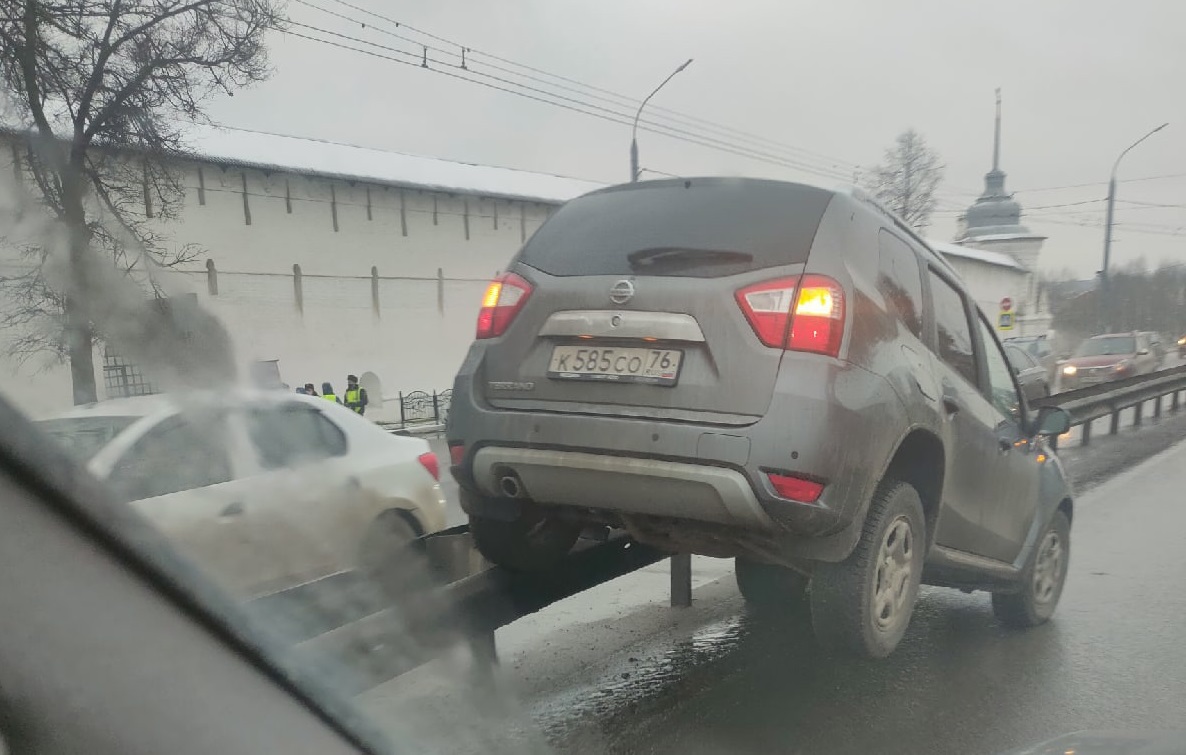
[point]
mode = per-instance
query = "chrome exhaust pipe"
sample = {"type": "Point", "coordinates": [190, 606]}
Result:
{"type": "Point", "coordinates": [510, 486]}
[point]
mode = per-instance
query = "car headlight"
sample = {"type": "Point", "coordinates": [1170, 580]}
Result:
{"type": "Point", "coordinates": [1123, 365]}
{"type": "Point", "coordinates": [1182, 341]}
{"type": "Point", "coordinates": [1070, 369]}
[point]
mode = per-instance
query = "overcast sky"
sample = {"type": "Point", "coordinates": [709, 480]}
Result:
{"type": "Point", "coordinates": [1081, 80]}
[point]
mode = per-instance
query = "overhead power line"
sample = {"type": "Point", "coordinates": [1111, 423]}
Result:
{"type": "Point", "coordinates": [427, 62]}
{"type": "Point", "coordinates": [465, 55]}
{"type": "Point", "coordinates": [1100, 183]}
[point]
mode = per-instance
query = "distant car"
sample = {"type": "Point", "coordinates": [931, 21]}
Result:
{"type": "Point", "coordinates": [1103, 358]}
{"type": "Point", "coordinates": [264, 490]}
{"type": "Point", "coordinates": [1031, 375]}
{"type": "Point", "coordinates": [1040, 349]}
{"type": "Point", "coordinates": [1182, 347]}
{"type": "Point", "coordinates": [1156, 347]}
{"type": "Point", "coordinates": [770, 371]}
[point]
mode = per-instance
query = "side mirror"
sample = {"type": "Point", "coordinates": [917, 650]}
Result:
{"type": "Point", "coordinates": [1052, 420]}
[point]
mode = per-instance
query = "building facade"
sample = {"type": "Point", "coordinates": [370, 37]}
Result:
{"type": "Point", "coordinates": [326, 259]}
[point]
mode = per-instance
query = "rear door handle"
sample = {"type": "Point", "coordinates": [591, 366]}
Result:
{"type": "Point", "coordinates": [233, 509]}
{"type": "Point", "coordinates": [951, 406]}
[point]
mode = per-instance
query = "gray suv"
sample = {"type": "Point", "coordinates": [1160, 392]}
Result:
{"type": "Point", "coordinates": [768, 371]}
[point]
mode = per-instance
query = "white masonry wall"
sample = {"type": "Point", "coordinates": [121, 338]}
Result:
{"type": "Point", "coordinates": [430, 255]}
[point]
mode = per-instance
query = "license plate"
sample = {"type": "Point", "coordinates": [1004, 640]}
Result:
{"type": "Point", "coordinates": [616, 364]}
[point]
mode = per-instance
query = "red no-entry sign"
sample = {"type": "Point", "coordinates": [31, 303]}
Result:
{"type": "Point", "coordinates": [1006, 304]}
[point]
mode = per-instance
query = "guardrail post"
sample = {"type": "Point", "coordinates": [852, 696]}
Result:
{"type": "Point", "coordinates": [1157, 407]}
{"type": "Point", "coordinates": [1174, 404]}
{"type": "Point", "coordinates": [1085, 437]}
{"type": "Point", "coordinates": [436, 409]}
{"type": "Point", "coordinates": [1136, 413]}
{"type": "Point", "coordinates": [1115, 422]}
{"type": "Point", "coordinates": [402, 419]}
{"type": "Point", "coordinates": [681, 580]}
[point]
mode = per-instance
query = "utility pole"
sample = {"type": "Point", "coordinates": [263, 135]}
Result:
{"type": "Point", "coordinates": [634, 171]}
{"type": "Point", "coordinates": [1104, 305]}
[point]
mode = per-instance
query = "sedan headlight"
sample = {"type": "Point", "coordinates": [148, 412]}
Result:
{"type": "Point", "coordinates": [1123, 365]}
{"type": "Point", "coordinates": [1182, 341]}
{"type": "Point", "coordinates": [1070, 369]}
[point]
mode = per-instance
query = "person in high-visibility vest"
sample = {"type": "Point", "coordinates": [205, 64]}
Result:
{"type": "Point", "coordinates": [327, 393]}
{"type": "Point", "coordinates": [356, 396]}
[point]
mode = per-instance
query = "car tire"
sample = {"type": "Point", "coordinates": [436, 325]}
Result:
{"type": "Point", "coordinates": [390, 557]}
{"type": "Point", "coordinates": [769, 586]}
{"type": "Point", "coordinates": [1043, 579]}
{"type": "Point", "coordinates": [862, 605]}
{"type": "Point", "coordinates": [534, 542]}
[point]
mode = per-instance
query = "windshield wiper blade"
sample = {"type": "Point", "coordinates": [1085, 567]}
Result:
{"type": "Point", "coordinates": [682, 256]}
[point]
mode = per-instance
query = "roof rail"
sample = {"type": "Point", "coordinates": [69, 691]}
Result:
{"type": "Point", "coordinates": [865, 197]}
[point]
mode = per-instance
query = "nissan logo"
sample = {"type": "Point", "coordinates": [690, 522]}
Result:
{"type": "Point", "coordinates": [622, 292]}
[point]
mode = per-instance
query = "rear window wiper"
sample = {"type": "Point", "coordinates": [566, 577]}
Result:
{"type": "Point", "coordinates": [680, 256]}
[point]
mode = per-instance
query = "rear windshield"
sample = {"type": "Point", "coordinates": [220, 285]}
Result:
{"type": "Point", "coordinates": [83, 437]}
{"type": "Point", "coordinates": [1095, 347]}
{"type": "Point", "coordinates": [695, 228]}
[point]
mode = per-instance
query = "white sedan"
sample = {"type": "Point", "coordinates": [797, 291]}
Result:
{"type": "Point", "coordinates": [263, 490]}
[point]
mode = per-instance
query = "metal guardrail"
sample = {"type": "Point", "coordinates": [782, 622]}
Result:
{"type": "Point", "coordinates": [482, 598]}
{"type": "Point", "coordinates": [1109, 399]}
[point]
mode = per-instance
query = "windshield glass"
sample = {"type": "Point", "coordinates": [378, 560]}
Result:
{"type": "Point", "coordinates": [700, 227]}
{"type": "Point", "coordinates": [85, 436]}
{"type": "Point", "coordinates": [624, 377]}
{"type": "Point", "coordinates": [1112, 345]}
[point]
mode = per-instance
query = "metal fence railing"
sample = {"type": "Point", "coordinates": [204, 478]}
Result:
{"type": "Point", "coordinates": [420, 412]}
{"type": "Point", "coordinates": [1110, 399]}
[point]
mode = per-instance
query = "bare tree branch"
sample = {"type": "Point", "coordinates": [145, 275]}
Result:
{"type": "Point", "coordinates": [106, 86]}
{"type": "Point", "coordinates": [907, 180]}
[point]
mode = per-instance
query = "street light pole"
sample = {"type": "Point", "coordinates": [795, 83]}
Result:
{"type": "Point", "coordinates": [1108, 228]}
{"type": "Point", "coordinates": [634, 129]}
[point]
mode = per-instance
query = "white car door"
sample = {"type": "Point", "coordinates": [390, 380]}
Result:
{"type": "Point", "coordinates": [182, 474]}
{"type": "Point", "coordinates": [303, 513]}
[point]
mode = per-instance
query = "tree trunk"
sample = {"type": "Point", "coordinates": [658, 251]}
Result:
{"type": "Point", "coordinates": [81, 352]}
{"type": "Point", "coordinates": [79, 333]}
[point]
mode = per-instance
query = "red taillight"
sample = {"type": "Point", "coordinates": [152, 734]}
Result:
{"type": "Point", "coordinates": [817, 324]}
{"type": "Point", "coordinates": [795, 488]}
{"type": "Point", "coordinates": [429, 460]}
{"type": "Point", "coordinates": [767, 306]}
{"type": "Point", "coordinates": [505, 296]}
{"type": "Point", "coordinates": [456, 453]}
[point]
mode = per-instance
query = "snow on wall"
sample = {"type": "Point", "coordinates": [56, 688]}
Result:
{"type": "Point", "coordinates": [287, 153]}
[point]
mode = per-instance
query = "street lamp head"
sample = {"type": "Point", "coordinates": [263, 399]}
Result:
{"type": "Point", "coordinates": [1154, 130]}
{"type": "Point", "coordinates": [685, 65]}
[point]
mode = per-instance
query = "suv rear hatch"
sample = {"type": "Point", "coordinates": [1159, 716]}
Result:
{"type": "Point", "coordinates": [627, 301]}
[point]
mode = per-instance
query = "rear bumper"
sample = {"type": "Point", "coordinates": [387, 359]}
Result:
{"type": "Point", "coordinates": [628, 485]}
{"type": "Point", "coordinates": [827, 420]}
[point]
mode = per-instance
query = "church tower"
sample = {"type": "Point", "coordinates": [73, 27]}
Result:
{"type": "Point", "coordinates": [993, 222]}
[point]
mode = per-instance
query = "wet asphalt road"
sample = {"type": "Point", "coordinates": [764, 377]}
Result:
{"type": "Point", "coordinates": [716, 679]}
{"type": "Point", "coordinates": [1114, 657]}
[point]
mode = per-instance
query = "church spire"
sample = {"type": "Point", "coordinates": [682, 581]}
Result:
{"type": "Point", "coordinates": [996, 142]}
{"type": "Point", "coordinates": [995, 212]}
{"type": "Point", "coordinates": [994, 180]}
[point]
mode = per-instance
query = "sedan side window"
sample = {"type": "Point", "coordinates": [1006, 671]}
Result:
{"type": "Point", "coordinates": [955, 336]}
{"type": "Point", "coordinates": [1000, 390]}
{"type": "Point", "coordinates": [1022, 360]}
{"type": "Point", "coordinates": [181, 453]}
{"type": "Point", "coordinates": [293, 434]}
